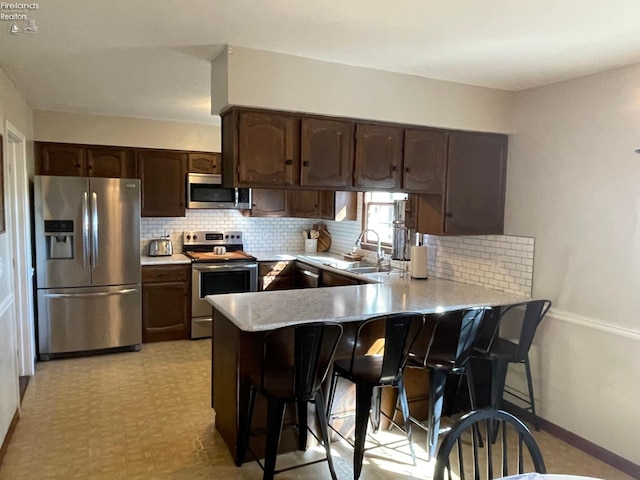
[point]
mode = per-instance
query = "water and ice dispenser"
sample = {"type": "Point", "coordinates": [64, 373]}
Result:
{"type": "Point", "coordinates": [59, 238]}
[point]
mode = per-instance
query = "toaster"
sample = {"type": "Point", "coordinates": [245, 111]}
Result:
{"type": "Point", "coordinates": [160, 247]}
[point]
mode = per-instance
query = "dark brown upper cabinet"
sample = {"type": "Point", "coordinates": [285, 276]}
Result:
{"type": "Point", "coordinates": [60, 159]}
{"type": "Point", "coordinates": [163, 176]}
{"type": "Point", "coordinates": [303, 203]}
{"type": "Point", "coordinates": [268, 149]}
{"type": "Point", "coordinates": [324, 204]}
{"type": "Point", "coordinates": [473, 200]}
{"type": "Point", "coordinates": [268, 202]}
{"type": "Point", "coordinates": [378, 158]}
{"type": "Point", "coordinates": [85, 160]}
{"type": "Point", "coordinates": [114, 162]}
{"type": "Point", "coordinates": [476, 182]}
{"type": "Point", "coordinates": [338, 206]}
{"type": "Point", "coordinates": [424, 167]}
{"type": "Point", "coordinates": [205, 163]}
{"type": "Point", "coordinates": [326, 152]}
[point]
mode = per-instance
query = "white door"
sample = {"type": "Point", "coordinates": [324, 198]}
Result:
{"type": "Point", "coordinates": [19, 228]}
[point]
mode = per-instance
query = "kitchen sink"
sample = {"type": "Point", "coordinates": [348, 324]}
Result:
{"type": "Point", "coordinates": [371, 269]}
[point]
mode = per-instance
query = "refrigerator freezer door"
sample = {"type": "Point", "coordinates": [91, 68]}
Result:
{"type": "Point", "coordinates": [62, 203]}
{"type": "Point", "coordinates": [82, 319]}
{"type": "Point", "coordinates": [115, 231]}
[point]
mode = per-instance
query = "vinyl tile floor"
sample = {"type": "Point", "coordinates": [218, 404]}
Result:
{"type": "Point", "coordinates": [147, 415]}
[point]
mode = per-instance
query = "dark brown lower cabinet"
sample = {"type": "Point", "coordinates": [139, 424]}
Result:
{"type": "Point", "coordinates": [166, 306]}
{"type": "Point", "coordinates": [331, 279]}
{"type": "Point", "coordinates": [277, 275]}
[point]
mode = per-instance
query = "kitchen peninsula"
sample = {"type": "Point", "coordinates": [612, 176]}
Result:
{"type": "Point", "coordinates": [240, 321]}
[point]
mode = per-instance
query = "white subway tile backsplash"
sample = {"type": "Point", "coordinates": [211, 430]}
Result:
{"type": "Point", "coordinates": [494, 261]}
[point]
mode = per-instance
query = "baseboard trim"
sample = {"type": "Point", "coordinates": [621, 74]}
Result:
{"type": "Point", "coordinates": [7, 438]}
{"type": "Point", "coordinates": [23, 383]}
{"type": "Point", "coordinates": [580, 443]}
{"type": "Point", "coordinates": [592, 449]}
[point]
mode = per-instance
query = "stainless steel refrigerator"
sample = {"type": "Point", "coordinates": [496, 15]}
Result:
{"type": "Point", "coordinates": [87, 238]}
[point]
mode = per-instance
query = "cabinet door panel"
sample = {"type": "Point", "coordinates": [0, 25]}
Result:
{"type": "Point", "coordinates": [267, 149]}
{"type": "Point", "coordinates": [165, 311]}
{"type": "Point", "coordinates": [275, 275]}
{"type": "Point", "coordinates": [338, 206]}
{"type": "Point", "coordinates": [475, 183]}
{"type": "Point", "coordinates": [327, 152]}
{"type": "Point", "coordinates": [330, 279]}
{"type": "Point", "coordinates": [163, 183]}
{"type": "Point", "coordinates": [204, 163]}
{"type": "Point", "coordinates": [111, 162]}
{"type": "Point", "coordinates": [304, 203]}
{"type": "Point", "coordinates": [60, 159]}
{"type": "Point", "coordinates": [268, 203]}
{"type": "Point", "coordinates": [378, 156]}
{"type": "Point", "coordinates": [424, 160]}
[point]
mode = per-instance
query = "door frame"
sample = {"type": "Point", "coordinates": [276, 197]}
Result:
{"type": "Point", "coordinates": [17, 181]}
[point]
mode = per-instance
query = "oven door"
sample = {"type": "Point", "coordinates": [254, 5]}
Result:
{"type": "Point", "coordinates": [213, 279]}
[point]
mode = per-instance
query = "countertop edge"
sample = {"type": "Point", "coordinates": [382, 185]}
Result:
{"type": "Point", "coordinates": [175, 259]}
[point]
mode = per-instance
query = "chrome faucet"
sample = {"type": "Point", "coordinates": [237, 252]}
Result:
{"type": "Point", "coordinates": [380, 253]}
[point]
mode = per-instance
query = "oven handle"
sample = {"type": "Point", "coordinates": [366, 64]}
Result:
{"type": "Point", "coordinates": [210, 268]}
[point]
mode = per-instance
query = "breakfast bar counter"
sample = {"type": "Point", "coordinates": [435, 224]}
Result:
{"type": "Point", "coordinates": [260, 311]}
{"type": "Point", "coordinates": [240, 321]}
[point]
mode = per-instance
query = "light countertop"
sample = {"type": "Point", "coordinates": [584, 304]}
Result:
{"type": "Point", "coordinates": [261, 311]}
{"type": "Point", "coordinates": [175, 259]}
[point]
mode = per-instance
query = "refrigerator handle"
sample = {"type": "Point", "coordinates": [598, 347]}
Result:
{"type": "Point", "coordinates": [85, 295]}
{"type": "Point", "coordinates": [85, 230]}
{"type": "Point", "coordinates": [94, 229]}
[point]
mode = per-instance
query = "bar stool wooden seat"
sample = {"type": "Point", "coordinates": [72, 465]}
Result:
{"type": "Point", "coordinates": [373, 364]}
{"type": "Point", "coordinates": [295, 362]}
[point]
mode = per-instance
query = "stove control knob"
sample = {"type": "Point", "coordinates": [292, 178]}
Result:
{"type": "Point", "coordinates": [226, 236]}
{"type": "Point", "coordinates": [195, 237]}
{"type": "Point", "coordinates": [188, 237]}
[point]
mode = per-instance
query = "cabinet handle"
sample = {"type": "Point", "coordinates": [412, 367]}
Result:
{"type": "Point", "coordinates": [288, 162]}
{"type": "Point", "coordinates": [306, 163]}
{"type": "Point", "coordinates": [394, 168]}
{"type": "Point", "coordinates": [449, 215]}
{"type": "Point", "coordinates": [407, 169]}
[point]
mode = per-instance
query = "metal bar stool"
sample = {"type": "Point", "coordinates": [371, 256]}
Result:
{"type": "Point", "coordinates": [444, 349]}
{"type": "Point", "coordinates": [292, 377]}
{"type": "Point", "coordinates": [375, 364]}
{"type": "Point", "coordinates": [509, 342]}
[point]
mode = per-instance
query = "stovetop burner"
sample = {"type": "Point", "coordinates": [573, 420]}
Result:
{"type": "Point", "coordinates": [202, 246]}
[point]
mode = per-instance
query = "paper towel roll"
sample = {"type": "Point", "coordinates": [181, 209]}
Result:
{"type": "Point", "coordinates": [419, 262]}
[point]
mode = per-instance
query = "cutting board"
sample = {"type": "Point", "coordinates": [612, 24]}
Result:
{"type": "Point", "coordinates": [324, 238]}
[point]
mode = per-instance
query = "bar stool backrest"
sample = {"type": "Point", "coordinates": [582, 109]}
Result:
{"type": "Point", "coordinates": [314, 346]}
{"type": "Point", "coordinates": [469, 327]}
{"type": "Point", "coordinates": [394, 343]}
{"type": "Point", "coordinates": [451, 335]}
{"type": "Point", "coordinates": [519, 322]}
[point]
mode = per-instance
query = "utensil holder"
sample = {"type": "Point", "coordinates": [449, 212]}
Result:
{"type": "Point", "coordinates": [310, 244]}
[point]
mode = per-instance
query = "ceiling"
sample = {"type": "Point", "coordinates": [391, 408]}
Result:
{"type": "Point", "coordinates": [150, 58]}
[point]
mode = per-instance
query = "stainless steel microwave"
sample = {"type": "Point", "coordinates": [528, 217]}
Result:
{"type": "Point", "coordinates": [206, 191]}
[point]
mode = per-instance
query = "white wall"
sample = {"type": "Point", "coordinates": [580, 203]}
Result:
{"type": "Point", "coordinates": [14, 109]}
{"type": "Point", "coordinates": [124, 131]}
{"type": "Point", "coordinates": [573, 184]}
{"type": "Point", "coordinates": [273, 80]}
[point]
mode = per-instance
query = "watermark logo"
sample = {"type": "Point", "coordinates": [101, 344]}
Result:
{"type": "Point", "coordinates": [20, 17]}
